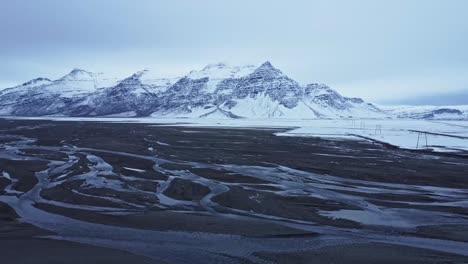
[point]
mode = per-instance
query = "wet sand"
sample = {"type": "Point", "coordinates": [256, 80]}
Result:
{"type": "Point", "coordinates": [366, 253]}
{"type": "Point", "coordinates": [200, 195]}
{"type": "Point", "coordinates": [21, 243]}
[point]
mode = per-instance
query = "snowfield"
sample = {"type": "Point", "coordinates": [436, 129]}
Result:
{"type": "Point", "coordinates": [440, 136]}
{"type": "Point", "coordinates": [445, 136]}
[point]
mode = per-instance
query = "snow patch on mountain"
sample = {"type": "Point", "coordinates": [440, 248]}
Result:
{"type": "Point", "coordinates": [74, 83]}
{"type": "Point", "coordinates": [218, 72]}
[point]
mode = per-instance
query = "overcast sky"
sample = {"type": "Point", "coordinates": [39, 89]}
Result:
{"type": "Point", "coordinates": [384, 51]}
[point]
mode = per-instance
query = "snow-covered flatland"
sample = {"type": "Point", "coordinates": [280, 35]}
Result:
{"type": "Point", "coordinates": [402, 133]}
{"type": "Point", "coordinates": [397, 132]}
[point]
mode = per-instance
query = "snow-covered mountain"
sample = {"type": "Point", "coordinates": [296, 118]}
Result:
{"type": "Point", "coordinates": [431, 112]}
{"type": "Point", "coordinates": [218, 90]}
{"type": "Point", "coordinates": [42, 96]}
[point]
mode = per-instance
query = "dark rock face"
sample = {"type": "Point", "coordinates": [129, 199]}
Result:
{"type": "Point", "coordinates": [447, 111]}
{"type": "Point", "coordinates": [325, 96]}
{"type": "Point", "coordinates": [187, 95]}
{"type": "Point", "coordinates": [265, 80]}
{"type": "Point", "coordinates": [432, 114]}
{"type": "Point", "coordinates": [184, 95]}
{"type": "Point", "coordinates": [124, 98]}
{"type": "Point", "coordinates": [31, 102]}
{"type": "Point", "coordinates": [355, 100]}
{"type": "Point", "coordinates": [36, 81]}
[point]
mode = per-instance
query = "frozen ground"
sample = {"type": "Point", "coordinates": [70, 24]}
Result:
{"type": "Point", "coordinates": [443, 136]}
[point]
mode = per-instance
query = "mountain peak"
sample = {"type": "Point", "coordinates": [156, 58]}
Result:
{"type": "Point", "coordinates": [268, 68]}
{"type": "Point", "coordinates": [267, 65]}
{"type": "Point", "coordinates": [78, 74]}
{"type": "Point", "coordinates": [219, 65]}
{"type": "Point", "coordinates": [77, 70]}
{"type": "Point", "coordinates": [134, 79]}
{"type": "Point", "coordinates": [138, 74]}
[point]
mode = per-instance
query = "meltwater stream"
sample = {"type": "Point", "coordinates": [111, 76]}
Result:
{"type": "Point", "coordinates": [193, 247]}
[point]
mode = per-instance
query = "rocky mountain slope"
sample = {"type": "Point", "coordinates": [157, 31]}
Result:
{"type": "Point", "coordinates": [217, 91]}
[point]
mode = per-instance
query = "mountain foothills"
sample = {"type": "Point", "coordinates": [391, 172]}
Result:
{"type": "Point", "coordinates": [431, 112]}
{"type": "Point", "coordinates": [216, 91]}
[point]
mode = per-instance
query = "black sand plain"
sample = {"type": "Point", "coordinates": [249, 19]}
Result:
{"type": "Point", "coordinates": [89, 192]}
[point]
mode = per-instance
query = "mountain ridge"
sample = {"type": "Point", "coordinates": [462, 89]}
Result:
{"type": "Point", "coordinates": [217, 90]}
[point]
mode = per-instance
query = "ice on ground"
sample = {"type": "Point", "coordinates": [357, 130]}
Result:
{"type": "Point", "coordinates": [6, 175]}
{"type": "Point", "coordinates": [398, 132]}
{"type": "Point", "coordinates": [134, 169]}
{"type": "Point", "coordinates": [162, 143]}
{"type": "Point", "coordinates": [408, 134]}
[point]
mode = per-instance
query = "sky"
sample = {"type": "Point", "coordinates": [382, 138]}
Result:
{"type": "Point", "coordinates": [398, 51]}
